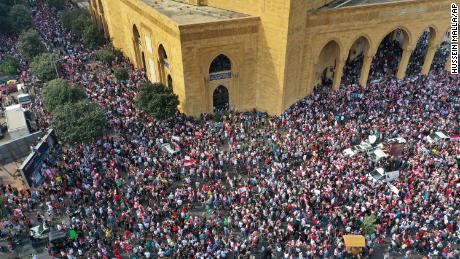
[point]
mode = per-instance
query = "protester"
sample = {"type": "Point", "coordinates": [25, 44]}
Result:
{"type": "Point", "coordinates": [251, 184]}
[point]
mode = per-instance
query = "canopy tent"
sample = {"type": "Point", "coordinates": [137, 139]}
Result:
{"type": "Point", "coordinates": [354, 240]}
{"type": "Point", "coordinates": [354, 243]}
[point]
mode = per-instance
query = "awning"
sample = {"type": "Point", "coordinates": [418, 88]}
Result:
{"type": "Point", "coordinates": [354, 241]}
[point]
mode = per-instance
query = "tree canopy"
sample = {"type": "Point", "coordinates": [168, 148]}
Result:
{"type": "Point", "coordinates": [107, 54]}
{"type": "Point", "coordinates": [30, 44]}
{"type": "Point", "coordinates": [58, 4]}
{"type": "Point", "coordinates": [79, 122]}
{"type": "Point", "coordinates": [20, 18]}
{"type": "Point", "coordinates": [59, 92]}
{"type": "Point", "coordinates": [369, 226]}
{"type": "Point", "coordinates": [157, 100]}
{"type": "Point", "coordinates": [121, 74]}
{"type": "Point", "coordinates": [80, 24]}
{"type": "Point", "coordinates": [45, 66]}
{"type": "Point", "coordinates": [92, 37]}
{"type": "Point", "coordinates": [10, 66]}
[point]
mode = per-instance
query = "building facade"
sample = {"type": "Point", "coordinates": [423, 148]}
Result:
{"type": "Point", "coordinates": [264, 54]}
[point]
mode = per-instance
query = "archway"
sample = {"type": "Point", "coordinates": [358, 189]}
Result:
{"type": "Point", "coordinates": [418, 55]}
{"type": "Point", "coordinates": [220, 63]}
{"type": "Point", "coordinates": [353, 67]}
{"type": "Point", "coordinates": [442, 54]}
{"type": "Point", "coordinates": [389, 53]}
{"type": "Point", "coordinates": [137, 45]}
{"type": "Point", "coordinates": [170, 81]}
{"type": "Point", "coordinates": [220, 68]}
{"type": "Point", "coordinates": [327, 63]}
{"type": "Point", "coordinates": [220, 99]}
{"type": "Point", "coordinates": [163, 63]}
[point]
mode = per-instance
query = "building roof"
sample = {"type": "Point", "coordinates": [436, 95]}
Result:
{"type": "Point", "coordinates": [348, 3]}
{"type": "Point", "coordinates": [183, 13]}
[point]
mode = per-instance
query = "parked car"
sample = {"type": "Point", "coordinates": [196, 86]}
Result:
{"type": "Point", "coordinates": [24, 99]}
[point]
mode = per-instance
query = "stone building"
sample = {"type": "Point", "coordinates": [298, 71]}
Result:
{"type": "Point", "coordinates": [264, 54]}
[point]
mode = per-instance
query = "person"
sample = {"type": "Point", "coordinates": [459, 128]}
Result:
{"type": "Point", "coordinates": [250, 180]}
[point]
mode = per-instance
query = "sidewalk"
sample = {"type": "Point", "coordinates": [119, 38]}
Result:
{"type": "Point", "coordinates": [10, 175]}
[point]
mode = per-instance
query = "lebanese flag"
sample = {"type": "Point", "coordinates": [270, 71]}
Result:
{"type": "Point", "coordinates": [242, 190]}
{"type": "Point", "coordinates": [188, 162]}
{"type": "Point", "coordinates": [176, 146]}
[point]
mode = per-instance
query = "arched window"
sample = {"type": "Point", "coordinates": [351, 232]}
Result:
{"type": "Point", "coordinates": [220, 63]}
{"type": "Point", "coordinates": [163, 56]}
{"type": "Point", "coordinates": [136, 35]}
{"type": "Point", "coordinates": [170, 82]}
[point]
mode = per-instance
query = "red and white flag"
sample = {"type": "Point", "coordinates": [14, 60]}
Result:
{"type": "Point", "coordinates": [242, 190]}
{"type": "Point", "coordinates": [188, 162]}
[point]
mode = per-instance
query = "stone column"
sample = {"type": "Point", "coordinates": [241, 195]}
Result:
{"type": "Point", "coordinates": [403, 63]}
{"type": "Point", "coordinates": [365, 70]}
{"type": "Point", "coordinates": [338, 74]}
{"type": "Point", "coordinates": [428, 59]}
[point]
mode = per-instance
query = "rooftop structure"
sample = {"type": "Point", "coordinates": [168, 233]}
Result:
{"type": "Point", "coordinates": [183, 13]}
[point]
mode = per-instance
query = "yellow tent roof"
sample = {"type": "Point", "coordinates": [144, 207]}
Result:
{"type": "Point", "coordinates": [354, 241]}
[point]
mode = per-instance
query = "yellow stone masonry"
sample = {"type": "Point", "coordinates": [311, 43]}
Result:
{"type": "Point", "coordinates": [278, 49]}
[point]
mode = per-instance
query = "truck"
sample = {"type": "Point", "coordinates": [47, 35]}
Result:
{"type": "Point", "coordinates": [16, 121]}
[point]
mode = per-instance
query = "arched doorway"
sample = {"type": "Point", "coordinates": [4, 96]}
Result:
{"type": "Point", "coordinates": [354, 64]}
{"type": "Point", "coordinates": [327, 63]}
{"type": "Point", "coordinates": [418, 55]}
{"type": "Point", "coordinates": [442, 54]}
{"type": "Point", "coordinates": [389, 53]}
{"type": "Point", "coordinates": [163, 63]}
{"type": "Point", "coordinates": [170, 82]}
{"type": "Point", "coordinates": [220, 99]}
{"type": "Point", "coordinates": [137, 45]}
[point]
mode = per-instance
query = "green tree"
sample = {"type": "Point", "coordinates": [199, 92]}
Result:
{"type": "Point", "coordinates": [369, 225]}
{"type": "Point", "coordinates": [58, 4]}
{"type": "Point", "coordinates": [76, 21]}
{"type": "Point", "coordinates": [45, 66]}
{"type": "Point", "coordinates": [107, 54]}
{"type": "Point", "coordinates": [30, 44]}
{"type": "Point", "coordinates": [121, 74]}
{"type": "Point", "coordinates": [20, 18]}
{"type": "Point", "coordinates": [79, 122]}
{"type": "Point", "coordinates": [157, 100]}
{"type": "Point", "coordinates": [92, 37]}
{"type": "Point", "coordinates": [4, 21]}
{"type": "Point", "coordinates": [10, 65]}
{"type": "Point", "coordinates": [60, 91]}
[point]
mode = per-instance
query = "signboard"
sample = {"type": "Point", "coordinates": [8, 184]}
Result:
{"type": "Point", "coordinates": [31, 167]}
{"type": "Point", "coordinates": [220, 75]}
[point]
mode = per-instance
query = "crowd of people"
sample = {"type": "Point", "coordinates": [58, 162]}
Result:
{"type": "Point", "coordinates": [249, 184]}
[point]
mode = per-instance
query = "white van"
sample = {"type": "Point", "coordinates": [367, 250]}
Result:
{"type": "Point", "coordinates": [24, 99]}
{"type": "Point", "coordinates": [379, 174]}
